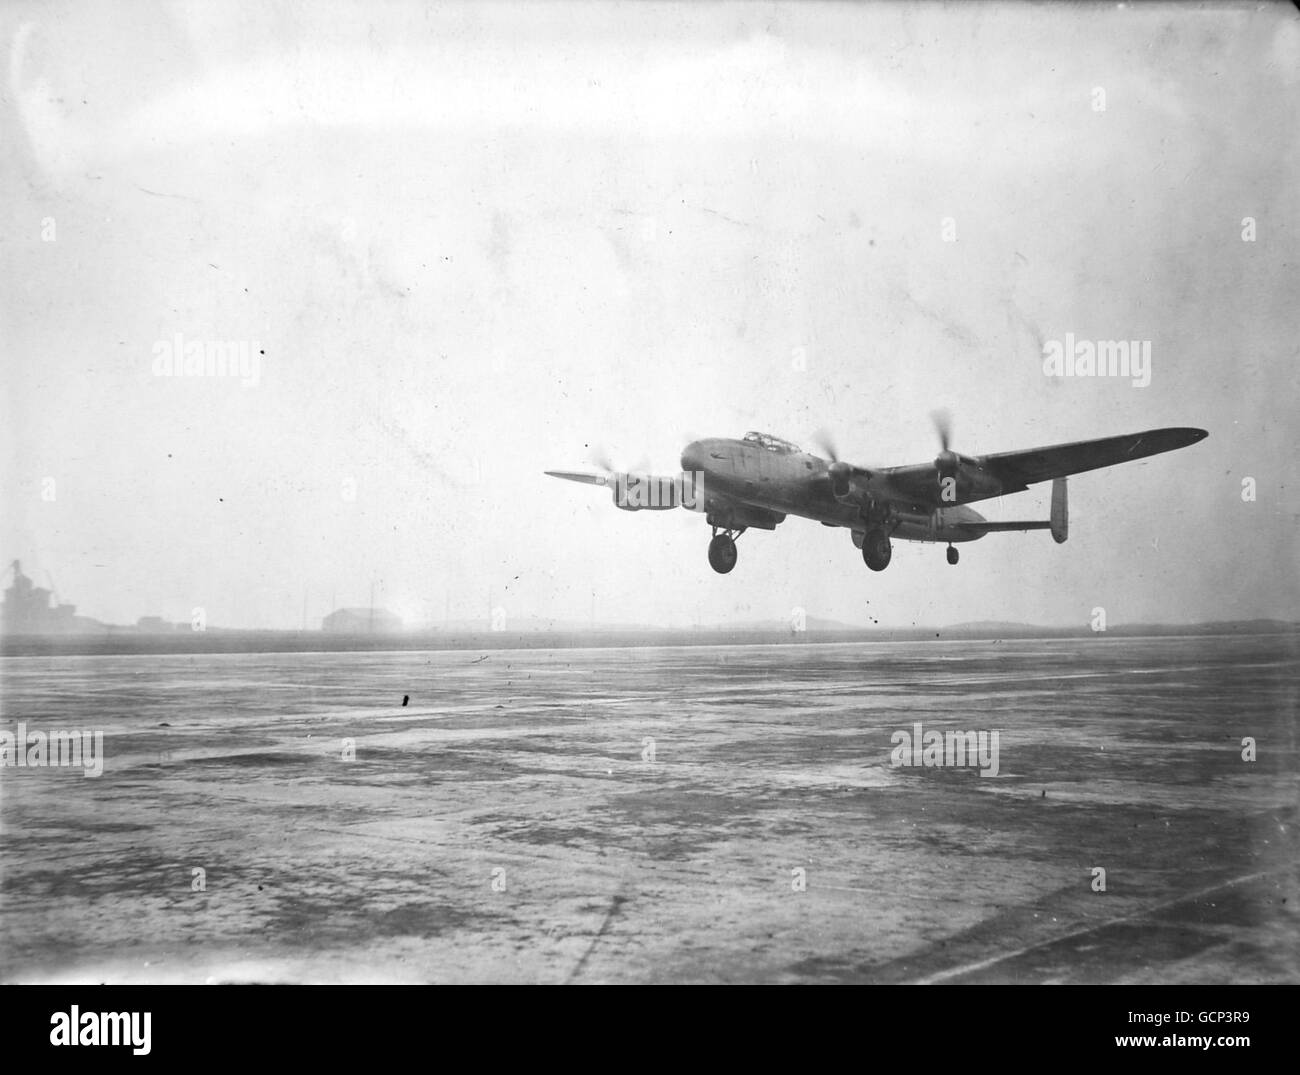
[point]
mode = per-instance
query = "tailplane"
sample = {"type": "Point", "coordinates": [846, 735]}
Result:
{"type": "Point", "coordinates": [1058, 524]}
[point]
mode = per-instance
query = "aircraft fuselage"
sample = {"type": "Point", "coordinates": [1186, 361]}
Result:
{"type": "Point", "coordinates": [798, 483]}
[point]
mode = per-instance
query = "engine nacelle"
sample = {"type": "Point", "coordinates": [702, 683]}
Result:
{"type": "Point", "coordinates": [649, 492]}
{"type": "Point", "coordinates": [960, 478]}
{"type": "Point", "coordinates": [841, 485]}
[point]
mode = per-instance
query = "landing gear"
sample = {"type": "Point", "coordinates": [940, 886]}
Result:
{"type": "Point", "coordinates": [722, 550]}
{"type": "Point", "coordinates": [722, 554]}
{"type": "Point", "coordinates": [876, 549]}
{"type": "Point", "coordinates": [952, 555]}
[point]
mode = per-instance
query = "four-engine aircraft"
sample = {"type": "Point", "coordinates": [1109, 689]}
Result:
{"type": "Point", "coordinates": [757, 481]}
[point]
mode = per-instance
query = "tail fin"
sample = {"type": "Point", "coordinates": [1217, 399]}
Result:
{"type": "Point", "coordinates": [1060, 524]}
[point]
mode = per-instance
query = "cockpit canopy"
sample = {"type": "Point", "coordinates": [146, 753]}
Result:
{"type": "Point", "coordinates": [772, 444]}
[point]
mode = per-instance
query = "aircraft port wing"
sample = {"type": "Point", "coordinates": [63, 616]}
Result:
{"type": "Point", "coordinates": [1018, 469]}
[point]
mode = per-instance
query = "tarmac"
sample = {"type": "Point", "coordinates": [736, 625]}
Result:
{"type": "Point", "coordinates": [694, 814]}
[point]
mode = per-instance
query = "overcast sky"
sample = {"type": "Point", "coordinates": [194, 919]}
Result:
{"type": "Point", "coordinates": [478, 242]}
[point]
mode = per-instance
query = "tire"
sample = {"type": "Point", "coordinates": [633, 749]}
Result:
{"type": "Point", "coordinates": [877, 550]}
{"type": "Point", "coordinates": [722, 554]}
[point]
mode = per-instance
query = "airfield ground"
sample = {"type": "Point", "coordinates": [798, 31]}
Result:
{"type": "Point", "coordinates": [643, 815]}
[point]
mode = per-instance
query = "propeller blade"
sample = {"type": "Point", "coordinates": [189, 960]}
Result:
{"type": "Point", "coordinates": [943, 426]}
{"type": "Point", "coordinates": [822, 441]}
{"type": "Point", "coordinates": [601, 456]}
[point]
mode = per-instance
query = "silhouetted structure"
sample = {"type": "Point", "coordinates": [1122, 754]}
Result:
{"type": "Point", "coordinates": [27, 610]}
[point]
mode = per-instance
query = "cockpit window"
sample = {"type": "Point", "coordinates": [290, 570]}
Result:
{"type": "Point", "coordinates": [771, 443]}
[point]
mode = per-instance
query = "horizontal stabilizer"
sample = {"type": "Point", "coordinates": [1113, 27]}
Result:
{"type": "Point", "coordinates": [993, 527]}
{"type": "Point", "coordinates": [1058, 524]}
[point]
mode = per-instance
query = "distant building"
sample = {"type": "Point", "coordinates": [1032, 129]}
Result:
{"type": "Point", "coordinates": [359, 621]}
{"type": "Point", "coordinates": [27, 610]}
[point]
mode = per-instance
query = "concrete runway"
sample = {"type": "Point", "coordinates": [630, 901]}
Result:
{"type": "Point", "coordinates": [509, 825]}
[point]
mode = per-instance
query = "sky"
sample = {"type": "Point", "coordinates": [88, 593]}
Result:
{"type": "Point", "coordinates": [465, 244]}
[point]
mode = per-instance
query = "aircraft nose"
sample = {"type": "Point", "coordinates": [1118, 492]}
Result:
{"type": "Point", "coordinates": [693, 456]}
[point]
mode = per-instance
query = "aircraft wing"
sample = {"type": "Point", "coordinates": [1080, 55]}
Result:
{"type": "Point", "coordinates": [1062, 460]}
{"type": "Point", "coordinates": [1013, 472]}
{"type": "Point", "coordinates": [584, 476]}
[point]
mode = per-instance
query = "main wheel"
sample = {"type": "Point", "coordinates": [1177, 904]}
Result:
{"type": "Point", "coordinates": [722, 554]}
{"type": "Point", "coordinates": [952, 555]}
{"type": "Point", "coordinates": [876, 549]}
